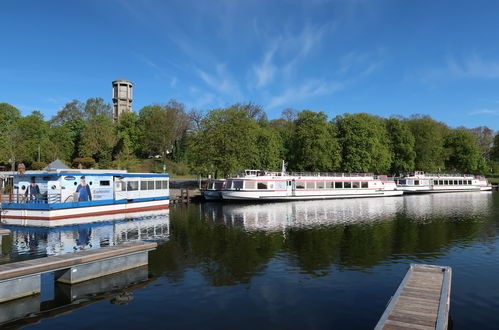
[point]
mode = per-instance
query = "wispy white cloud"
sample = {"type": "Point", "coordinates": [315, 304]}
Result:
{"type": "Point", "coordinates": [265, 71]}
{"type": "Point", "coordinates": [485, 112]}
{"type": "Point", "coordinates": [309, 89]}
{"type": "Point", "coordinates": [473, 66]}
{"type": "Point", "coordinates": [221, 81]}
{"type": "Point", "coordinates": [173, 82]}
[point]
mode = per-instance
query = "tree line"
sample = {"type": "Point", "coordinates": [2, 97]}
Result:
{"type": "Point", "coordinates": [221, 141]}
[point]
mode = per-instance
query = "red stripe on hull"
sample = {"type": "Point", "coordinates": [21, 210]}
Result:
{"type": "Point", "coordinates": [92, 214]}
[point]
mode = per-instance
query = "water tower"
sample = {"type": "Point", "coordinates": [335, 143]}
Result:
{"type": "Point", "coordinates": [122, 97]}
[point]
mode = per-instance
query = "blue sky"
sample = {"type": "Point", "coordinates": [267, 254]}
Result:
{"type": "Point", "coordinates": [382, 57]}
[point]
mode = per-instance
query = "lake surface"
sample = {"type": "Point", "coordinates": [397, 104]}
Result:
{"type": "Point", "coordinates": [294, 265]}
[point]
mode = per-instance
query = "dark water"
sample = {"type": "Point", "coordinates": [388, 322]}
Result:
{"type": "Point", "coordinates": [296, 265]}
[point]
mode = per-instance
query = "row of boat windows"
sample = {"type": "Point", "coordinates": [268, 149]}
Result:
{"type": "Point", "coordinates": [144, 185]}
{"type": "Point", "coordinates": [280, 185]}
{"type": "Point", "coordinates": [436, 182]}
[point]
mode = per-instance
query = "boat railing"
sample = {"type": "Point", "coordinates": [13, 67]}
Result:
{"type": "Point", "coordinates": [34, 199]}
{"type": "Point", "coordinates": [330, 174]}
{"type": "Point", "coordinates": [429, 175]}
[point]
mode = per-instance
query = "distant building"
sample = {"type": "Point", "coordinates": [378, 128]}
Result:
{"type": "Point", "coordinates": [122, 97]}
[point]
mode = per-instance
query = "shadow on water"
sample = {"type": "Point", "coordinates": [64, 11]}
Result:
{"type": "Point", "coordinates": [301, 264]}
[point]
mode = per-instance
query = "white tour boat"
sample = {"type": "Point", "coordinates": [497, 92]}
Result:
{"type": "Point", "coordinates": [421, 182]}
{"type": "Point", "coordinates": [67, 197]}
{"type": "Point", "coordinates": [213, 190]}
{"type": "Point", "coordinates": [259, 185]}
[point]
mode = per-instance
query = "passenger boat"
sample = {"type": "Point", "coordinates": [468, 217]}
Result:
{"type": "Point", "coordinates": [213, 190]}
{"type": "Point", "coordinates": [260, 185]}
{"type": "Point", "coordinates": [67, 197]}
{"type": "Point", "coordinates": [421, 182]}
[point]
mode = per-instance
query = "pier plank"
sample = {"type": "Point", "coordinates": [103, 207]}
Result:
{"type": "Point", "coordinates": [52, 263]}
{"type": "Point", "coordinates": [421, 301]}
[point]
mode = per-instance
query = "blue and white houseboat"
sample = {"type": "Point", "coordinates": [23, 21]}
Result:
{"type": "Point", "coordinates": [66, 197]}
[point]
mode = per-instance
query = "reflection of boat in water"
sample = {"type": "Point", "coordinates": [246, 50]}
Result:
{"type": "Point", "coordinates": [448, 205]}
{"type": "Point", "coordinates": [60, 240]}
{"type": "Point", "coordinates": [278, 216]}
{"type": "Point", "coordinates": [306, 214]}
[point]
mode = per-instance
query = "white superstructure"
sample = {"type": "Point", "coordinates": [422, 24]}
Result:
{"type": "Point", "coordinates": [259, 185]}
{"type": "Point", "coordinates": [421, 182]}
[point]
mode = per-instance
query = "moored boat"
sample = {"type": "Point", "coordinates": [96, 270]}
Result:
{"type": "Point", "coordinates": [213, 189]}
{"type": "Point", "coordinates": [259, 185]}
{"type": "Point", "coordinates": [66, 197]}
{"type": "Point", "coordinates": [421, 182]}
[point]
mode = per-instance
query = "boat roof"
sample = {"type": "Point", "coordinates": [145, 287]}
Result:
{"type": "Point", "coordinates": [64, 172]}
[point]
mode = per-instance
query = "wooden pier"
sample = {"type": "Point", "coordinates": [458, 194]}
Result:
{"type": "Point", "coordinates": [421, 301]}
{"type": "Point", "coordinates": [21, 279]}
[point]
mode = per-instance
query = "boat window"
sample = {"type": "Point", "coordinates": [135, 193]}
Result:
{"type": "Point", "coordinates": [216, 185]}
{"type": "Point", "coordinates": [455, 182]}
{"type": "Point", "coordinates": [158, 185]}
{"type": "Point", "coordinates": [356, 185]}
{"type": "Point", "coordinates": [416, 182]}
{"type": "Point", "coordinates": [238, 184]}
{"type": "Point", "coordinates": [150, 185]}
{"type": "Point", "coordinates": [210, 185]}
{"type": "Point", "coordinates": [280, 185]}
{"type": "Point", "coordinates": [329, 184]}
{"type": "Point", "coordinates": [460, 182]}
{"type": "Point", "coordinates": [132, 185]}
{"type": "Point", "coordinates": [338, 185]}
{"type": "Point", "coordinates": [310, 184]}
{"type": "Point", "coordinates": [320, 184]}
{"type": "Point", "coordinates": [402, 181]}
{"type": "Point", "coordinates": [165, 184]}
{"type": "Point", "coordinates": [300, 184]}
{"type": "Point", "coordinates": [105, 183]}
{"type": "Point", "coordinates": [347, 184]}
{"type": "Point", "coordinates": [143, 185]}
{"type": "Point", "coordinates": [365, 184]}
{"type": "Point", "coordinates": [469, 182]}
{"type": "Point", "coordinates": [262, 184]}
{"type": "Point", "coordinates": [249, 185]}
{"type": "Point", "coordinates": [446, 182]}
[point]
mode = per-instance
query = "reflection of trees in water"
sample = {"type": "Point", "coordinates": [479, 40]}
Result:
{"type": "Point", "coordinates": [225, 253]}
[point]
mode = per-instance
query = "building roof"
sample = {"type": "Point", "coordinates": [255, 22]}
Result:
{"type": "Point", "coordinates": [56, 165]}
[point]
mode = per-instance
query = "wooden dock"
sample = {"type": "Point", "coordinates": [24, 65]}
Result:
{"type": "Point", "coordinates": [21, 279]}
{"type": "Point", "coordinates": [421, 301]}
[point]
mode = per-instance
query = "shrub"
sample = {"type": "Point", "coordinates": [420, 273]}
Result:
{"type": "Point", "coordinates": [86, 162]}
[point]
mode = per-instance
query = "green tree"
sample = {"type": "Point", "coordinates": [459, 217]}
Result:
{"type": "Point", "coordinates": [9, 133]}
{"type": "Point", "coordinates": [494, 152]}
{"type": "Point", "coordinates": [35, 138]}
{"type": "Point", "coordinates": [464, 154]}
{"type": "Point", "coordinates": [98, 140]}
{"type": "Point", "coordinates": [365, 143]}
{"type": "Point", "coordinates": [315, 147]}
{"type": "Point", "coordinates": [429, 143]}
{"type": "Point", "coordinates": [402, 146]}
{"type": "Point", "coordinates": [163, 126]}
{"type": "Point", "coordinates": [225, 142]}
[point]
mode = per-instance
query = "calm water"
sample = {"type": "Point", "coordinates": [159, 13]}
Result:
{"type": "Point", "coordinates": [311, 264]}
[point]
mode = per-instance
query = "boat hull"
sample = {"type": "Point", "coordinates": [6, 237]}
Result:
{"type": "Point", "coordinates": [80, 215]}
{"type": "Point", "coordinates": [269, 196]}
{"type": "Point", "coordinates": [212, 195]}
